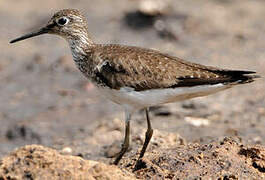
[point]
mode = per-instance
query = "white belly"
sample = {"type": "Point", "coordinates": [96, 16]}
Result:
{"type": "Point", "coordinates": [135, 100]}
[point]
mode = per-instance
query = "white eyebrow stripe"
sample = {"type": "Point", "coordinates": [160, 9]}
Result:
{"type": "Point", "coordinates": [78, 18]}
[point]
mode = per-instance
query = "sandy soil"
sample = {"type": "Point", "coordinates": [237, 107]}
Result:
{"type": "Point", "coordinates": [45, 100]}
{"type": "Point", "coordinates": [225, 160]}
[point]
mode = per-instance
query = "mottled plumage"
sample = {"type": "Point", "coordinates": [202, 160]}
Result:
{"type": "Point", "coordinates": [117, 66]}
{"type": "Point", "coordinates": [136, 77]}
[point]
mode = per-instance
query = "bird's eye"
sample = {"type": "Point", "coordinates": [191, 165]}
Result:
{"type": "Point", "coordinates": [62, 21]}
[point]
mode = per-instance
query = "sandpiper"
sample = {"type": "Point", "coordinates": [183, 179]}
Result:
{"type": "Point", "coordinates": [134, 77]}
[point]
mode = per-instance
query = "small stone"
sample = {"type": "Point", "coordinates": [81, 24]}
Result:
{"type": "Point", "coordinates": [67, 150]}
{"type": "Point", "coordinates": [197, 121]}
{"type": "Point", "coordinates": [154, 7]}
{"type": "Point", "coordinates": [257, 139]}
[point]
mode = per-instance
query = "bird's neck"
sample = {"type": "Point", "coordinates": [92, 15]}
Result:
{"type": "Point", "coordinates": [81, 48]}
{"type": "Point", "coordinates": [80, 45]}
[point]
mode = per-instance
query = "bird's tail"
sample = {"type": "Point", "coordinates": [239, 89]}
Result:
{"type": "Point", "coordinates": [238, 76]}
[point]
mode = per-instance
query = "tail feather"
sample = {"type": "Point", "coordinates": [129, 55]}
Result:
{"type": "Point", "coordinates": [227, 77]}
{"type": "Point", "coordinates": [238, 76]}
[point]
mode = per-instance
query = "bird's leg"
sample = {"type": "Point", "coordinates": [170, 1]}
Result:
{"type": "Point", "coordinates": [148, 134]}
{"type": "Point", "coordinates": [126, 142]}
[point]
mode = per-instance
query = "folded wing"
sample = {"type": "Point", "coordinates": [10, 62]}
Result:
{"type": "Point", "coordinates": [143, 69]}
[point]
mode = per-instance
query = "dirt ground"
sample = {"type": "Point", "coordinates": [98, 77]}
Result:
{"type": "Point", "coordinates": [45, 100]}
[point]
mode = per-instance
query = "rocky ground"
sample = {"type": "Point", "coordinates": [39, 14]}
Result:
{"type": "Point", "coordinates": [226, 159]}
{"type": "Point", "coordinates": [45, 100]}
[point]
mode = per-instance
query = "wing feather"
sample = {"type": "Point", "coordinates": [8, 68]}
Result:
{"type": "Point", "coordinates": [143, 69]}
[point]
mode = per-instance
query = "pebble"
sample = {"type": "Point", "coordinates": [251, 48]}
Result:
{"type": "Point", "coordinates": [67, 150]}
{"type": "Point", "coordinates": [154, 7]}
{"type": "Point", "coordinates": [197, 121]}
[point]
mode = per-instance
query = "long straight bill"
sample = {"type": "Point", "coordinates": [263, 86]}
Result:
{"type": "Point", "coordinates": [32, 34]}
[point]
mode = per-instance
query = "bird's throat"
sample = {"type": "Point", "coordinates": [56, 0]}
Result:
{"type": "Point", "coordinates": [82, 53]}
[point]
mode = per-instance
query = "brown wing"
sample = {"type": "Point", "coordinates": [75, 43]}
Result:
{"type": "Point", "coordinates": [142, 69]}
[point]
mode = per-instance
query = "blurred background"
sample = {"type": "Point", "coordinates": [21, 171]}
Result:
{"type": "Point", "coordinates": [45, 100]}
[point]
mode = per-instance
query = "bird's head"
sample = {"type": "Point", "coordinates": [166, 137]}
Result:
{"type": "Point", "coordinates": [68, 23]}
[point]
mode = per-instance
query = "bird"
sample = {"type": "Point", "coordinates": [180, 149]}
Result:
{"type": "Point", "coordinates": [136, 78]}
